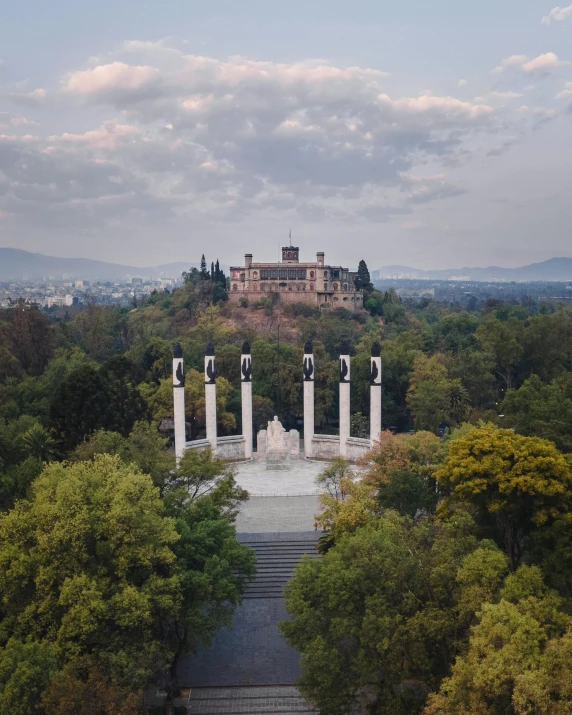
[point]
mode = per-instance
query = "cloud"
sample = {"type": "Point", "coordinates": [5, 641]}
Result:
{"type": "Point", "coordinates": [22, 122]}
{"type": "Point", "coordinates": [544, 62]}
{"type": "Point", "coordinates": [512, 61]}
{"type": "Point", "coordinates": [566, 93]}
{"type": "Point", "coordinates": [412, 224]}
{"type": "Point", "coordinates": [108, 78]}
{"type": "Point", "coordinates": [557, 14]}
{"type": "Point", "coordinates": [30, 99]}
{"type": "Point", "coordinates": [541, 64]}
{"type": "Point", "coordinates": [108, 136]}
{"type": "Point", "coordinates": [190, 138]}
{"type": "Point", "coordinates": [462, 83]}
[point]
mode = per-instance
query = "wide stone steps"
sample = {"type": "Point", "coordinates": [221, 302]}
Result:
{"type": "Point", "coordinates": [263, 700]}
{"type": "Point", "coordinates": [275, 561]}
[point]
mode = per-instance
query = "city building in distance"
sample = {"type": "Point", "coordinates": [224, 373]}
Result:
{"type": "Point", "coordinates": [296, 282]}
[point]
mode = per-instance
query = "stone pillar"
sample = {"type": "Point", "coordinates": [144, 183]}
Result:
{"type": "Point", "coordinates": [344, 398]}
{"type": "Point", "coordinates": [308, 372]}
{"type": "Point", "coordinates": [375, 394]}
{"type": "Point", "coordinates": [179, 402]}
{"type": "Point", "coordinates": [246, 398]}
{"type": "Point", "coordinates": [210, 395]}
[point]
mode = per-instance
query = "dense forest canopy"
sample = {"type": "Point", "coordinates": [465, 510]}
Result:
{"type": "Point", "coordinates": [450, 552]}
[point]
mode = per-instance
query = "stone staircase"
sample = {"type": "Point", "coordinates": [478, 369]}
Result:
{"type": "Point", "coordinates": [275, 561]}
{"type": "Point", "coordinates": [262, 700]}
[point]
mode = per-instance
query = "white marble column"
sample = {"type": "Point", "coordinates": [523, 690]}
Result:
{"type": "Point", "coordinates": [210, 395]}
{"type": "Point", "coordinates": [246, 398]}
{"type": "Point", "coordinates": [179, 401]}
{"type": "Point", "coordinates": [375, 394]}
{"type": "Point", "coordinates": [308, 373]}
{"type": "Point", "coordinates": [344, 398]}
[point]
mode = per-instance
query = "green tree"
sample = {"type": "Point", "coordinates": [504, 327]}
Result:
{"type": "Point", "coordinates": [39, 443]}
{"type": "Point", "coordinates": [541, 410]}
{"type": "Point", "coordinates": [144, 447]}
{"type": "Point", "coordinates": [378, 619]}
{"type": "Point", "coordinates": [125, 403]}
{"type": "Point", "coordinates": [31, 336]}
{"type": "Point", "coordinates": [518, 484]}
{"type": "Point", "coordinates": [517, 656]}
{"type": "Point", "coordinates": [80, 405]}
{"type": "Point", "coordinates": [503, 340]}
{"type": "Point", "coordinates": [25, 670]}
{"type": "Point", "coordinates": [362, 279]}
{"type": "Point", "coordinates": [433, 397]}
{"type": "Point", "coordinates": [87, 566]}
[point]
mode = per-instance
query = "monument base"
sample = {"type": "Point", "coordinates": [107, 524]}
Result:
{"type": "Point", "coordinates": [277, 460]}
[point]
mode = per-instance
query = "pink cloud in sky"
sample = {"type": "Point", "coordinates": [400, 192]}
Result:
{"type": "Point", "coordinates": [116, 75]}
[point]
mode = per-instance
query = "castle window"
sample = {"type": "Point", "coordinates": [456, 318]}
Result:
{"type": "Point", "coordinates": [345, 286]}
{"type": "Point", "coordinates": [273, 273]}
{"type": "Point", "coordinates": [292, 274]}
{"type": "Point", "coordinates": [301, 274]}
{"type": "Point", "coordinates": [283, 274]}
{"type": "Point", "coordinates": [263, 286]}
{"type": "Point", "coordinates": [335, 274]}
{"type": "Point", "coordinates": [335, 286]}
{"type": "Point", "coordinates": [235, 287]}
{"type": "Point", "coordinates": [255, 275]}
{"type": "Point", "coordinates": [311, 274]}
{"type": "Point", "coordinates": [264, 275]}
{"type": "Point", "coordinates": [325, 286]}
{"type": "Point", "coordinates": [325, 274]}
{"type": "Point", "coordinates": [255, 286]}
{"type": "Point", "coordinates": [311, 286]}
{"type": "Point", "coordinates": [283, 285]}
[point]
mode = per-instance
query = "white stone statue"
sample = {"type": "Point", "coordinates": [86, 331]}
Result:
{"type": "Point", "coordinates": [276, 437]}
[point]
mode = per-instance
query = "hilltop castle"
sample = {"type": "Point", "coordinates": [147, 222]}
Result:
{"type": "Point", "coordinates": [315, 283]}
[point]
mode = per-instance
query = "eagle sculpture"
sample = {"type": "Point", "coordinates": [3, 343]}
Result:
{"type": "Point", "coordinates": [247, 370]}
{"type": "Point", "coordinates": [211, 373]}
{"type": "Point", "coordinates": [343, 370]}
{"type": "Point", "coordinates": [374, 373]}
{"type": "Point", "coordinates": [180, 375]}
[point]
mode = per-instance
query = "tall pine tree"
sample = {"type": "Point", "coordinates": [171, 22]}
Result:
{"type": "Point", "coordinates": [363, 280]}
{"type": "Point", "coordinates": [204, 271]}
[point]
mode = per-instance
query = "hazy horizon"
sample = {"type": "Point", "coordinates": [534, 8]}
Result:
{"type": "Point", "coordinates": [431, 136]}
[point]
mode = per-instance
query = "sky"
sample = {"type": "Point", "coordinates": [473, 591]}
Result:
{"type": "Point", "coordinates": [429, 134]}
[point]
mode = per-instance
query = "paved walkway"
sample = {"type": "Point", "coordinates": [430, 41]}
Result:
{"type": "Point", "coordinates": [300, 479]}
{"type": "Point", "coordinates": [252, 652]}
{"type": "Point", "coordinates": [266, 514]}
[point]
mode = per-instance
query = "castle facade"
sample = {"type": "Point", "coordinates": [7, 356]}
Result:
{"type": "Point", "coordinates": [313, 282]}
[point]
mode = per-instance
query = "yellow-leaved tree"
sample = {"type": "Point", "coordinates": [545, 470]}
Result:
{"type": "Point", "coordinates": [518, 484]}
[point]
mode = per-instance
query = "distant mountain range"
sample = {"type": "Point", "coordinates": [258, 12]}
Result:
{"type": "Point", "coordinates": [554, 269]}
{"type": "Point", "coordinates": [17, 265]}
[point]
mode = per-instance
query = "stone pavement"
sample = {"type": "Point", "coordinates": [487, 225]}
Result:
{"type": "Point", "coordinates": [252, 653]}
{"type": "Point", "coordinates": [278, 514]}
{"type": "Point", "coordinates": [299, 479]}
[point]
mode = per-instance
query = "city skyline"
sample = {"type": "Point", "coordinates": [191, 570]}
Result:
{"type": "Point", "coordinates": [425, 136]}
